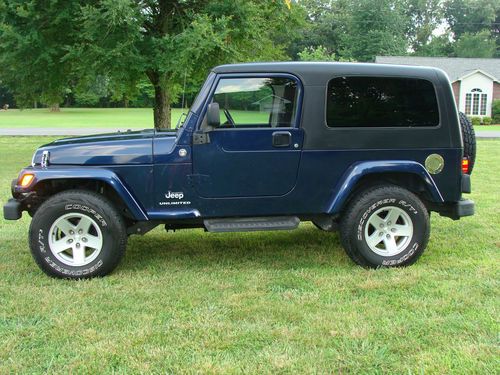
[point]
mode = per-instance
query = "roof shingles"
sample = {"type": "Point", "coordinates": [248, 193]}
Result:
{"type": "Point", "coordinates": [455, 67]}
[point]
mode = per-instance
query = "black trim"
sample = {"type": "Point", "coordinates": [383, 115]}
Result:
{"type": "Point", "coordinates": [12, 210]}
{"type": "Point", "coordinates": [466, 185]}
{"type": "Point", "coordinates": [455, 210]}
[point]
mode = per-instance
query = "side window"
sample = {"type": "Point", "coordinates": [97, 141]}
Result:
{"type": "Point", "coordinates": [381, 102]}
{"type": "Point", "coordinates": [257, 102]}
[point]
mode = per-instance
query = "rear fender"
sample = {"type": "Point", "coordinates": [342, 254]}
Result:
{"type": "Point", "coordinates": [355, 172]}
{"type": "Point", "coordinates": [87, 173]}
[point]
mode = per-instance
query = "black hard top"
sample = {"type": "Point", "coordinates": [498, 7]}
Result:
{"type": "Point", "coordinates": [316, 73]}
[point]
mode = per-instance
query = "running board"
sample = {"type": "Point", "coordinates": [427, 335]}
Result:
{"type": "Point", "coordinates": [250, 224]}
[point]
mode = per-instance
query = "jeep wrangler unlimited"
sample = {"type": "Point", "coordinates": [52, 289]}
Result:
{"type": "Point", "coordinates": [367, 149]}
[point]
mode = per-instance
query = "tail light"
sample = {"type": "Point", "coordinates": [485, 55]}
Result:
{"type": "Point", "coordinates": [465, 165]}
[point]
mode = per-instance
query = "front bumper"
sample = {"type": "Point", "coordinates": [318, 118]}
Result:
{"type": "Point", "coordinates": [462, 208]}
{"type": "Point", "coordinates": [12, 210]}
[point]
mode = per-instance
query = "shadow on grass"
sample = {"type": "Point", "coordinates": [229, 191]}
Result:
{"type": "Point", "coordinates": [302, 248]}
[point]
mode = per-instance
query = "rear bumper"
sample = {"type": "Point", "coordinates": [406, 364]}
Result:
{"type": "Point", "coordinates": [12, 210]}
{"type": "Point", "coordinates": [462, 208]}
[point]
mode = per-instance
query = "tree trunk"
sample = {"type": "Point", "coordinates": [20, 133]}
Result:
{"type": "Point", "coordinates": [54, 107]}
{"type": "Point", "coordinates": [161, 109]}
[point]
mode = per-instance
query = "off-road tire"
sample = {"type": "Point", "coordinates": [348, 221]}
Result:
{"type": "Point", "coordinates": [80, 202]}
{"type": "Point", "coordinates": [469, 138]}
{"type": "Point", "coordinates": [359, 211]}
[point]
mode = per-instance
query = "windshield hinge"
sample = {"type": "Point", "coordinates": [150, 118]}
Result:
{"type": "Point", "coordinates": [200, 138]}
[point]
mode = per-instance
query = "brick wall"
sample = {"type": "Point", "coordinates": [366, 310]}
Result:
{"type": "Point", "coordinates": [456, 91]}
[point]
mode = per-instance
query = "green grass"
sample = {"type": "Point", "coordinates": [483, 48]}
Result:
{"type": "Point", "coordinates": [271, 302]}
{"type": "Point", "coordinates": [481, 128]}
{"type": "Point", "coordinates": [81, 117]}
{"type": "Point", "coordinates": [119, 118]}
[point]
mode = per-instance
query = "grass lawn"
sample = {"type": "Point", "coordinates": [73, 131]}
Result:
{"type": "Point", "coordinates": [481, 128]}
{"type": "Point", "coordinates": [119, 118]}
{"type": "Point", "coordinates": [271, 302]}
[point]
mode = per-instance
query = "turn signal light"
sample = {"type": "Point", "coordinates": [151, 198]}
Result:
{"type": "Point", "coordinates": [465, 166]}
{"type": "Point", "coordinates": [27, 179]}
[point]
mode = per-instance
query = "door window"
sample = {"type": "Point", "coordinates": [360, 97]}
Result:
{"type": "Point", "coordinates": [257, 102]}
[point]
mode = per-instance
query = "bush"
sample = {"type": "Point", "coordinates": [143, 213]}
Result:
{"type": "Point", "coordinates": [495, 111]}
{"type": "Point", "coordinates": [476, 121]}
{"type": "Point", "coordinates": [486, 120]}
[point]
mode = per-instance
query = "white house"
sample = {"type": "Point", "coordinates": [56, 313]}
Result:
{"type": "Point", "coordinates": [475, 82]}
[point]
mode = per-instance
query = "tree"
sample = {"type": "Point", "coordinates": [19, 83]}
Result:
{"type": "Point", "coordinates": [374, 27]}
{"type": "Point", "coordinates": [34, 40]}
{"type": "Point", "coordinates": [323, 27]}
{"type": "Point", "coordinates": [471, 16]}
{"type": "Point", "coordinates": [168, 40]}
{"type": "Point", "coordinates": [51, 47]}
{"type": "Point", "coordinates": [438, 46]}
{"type": "Point", "coordinates": [423, 18]}
{"type": "Point", "coordinates": [475, 45]}
{"type": "Point", "coordinates": [319, 53]}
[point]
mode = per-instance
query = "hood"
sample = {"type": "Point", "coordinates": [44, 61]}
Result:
{"type": "Point", "coordinates": [132, 147]}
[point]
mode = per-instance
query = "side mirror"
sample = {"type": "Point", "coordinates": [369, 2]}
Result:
{"type": "Point", "coordinates": [213, 115]}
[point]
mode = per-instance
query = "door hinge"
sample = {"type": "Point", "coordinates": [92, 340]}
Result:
{"type": "Point", "coordinates": [201, 138]}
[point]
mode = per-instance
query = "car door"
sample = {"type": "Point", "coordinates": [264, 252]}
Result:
{"type": "Point", "coordinates": [256, 149]}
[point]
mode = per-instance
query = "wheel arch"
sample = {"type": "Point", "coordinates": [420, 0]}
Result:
{"type": "Point", "coordinates": [51, 181]}
{"type": "Point", "coordinates": [362, 175]}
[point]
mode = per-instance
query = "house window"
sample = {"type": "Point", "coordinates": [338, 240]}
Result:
{"type": "Point", "coordinates": [484, 98]}
{"type": "Point", "coordinates": [468, 101]}
{"type": "Point", "coordinates": [475, 102]}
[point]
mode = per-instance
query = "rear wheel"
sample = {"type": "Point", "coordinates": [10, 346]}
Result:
{"type": "Point", "coordinates": [77, 234]}
{"type": "Point", "coordinates": [385, 226]}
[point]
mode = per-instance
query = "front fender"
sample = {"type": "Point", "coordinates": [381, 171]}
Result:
{"type": "Point", "coordinates": [86, 173]}
{"type": "Point", "coordinates": [361, 169]}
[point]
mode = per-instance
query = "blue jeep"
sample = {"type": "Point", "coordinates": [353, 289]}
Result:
{"type": "Point", "coordinates": [367, 149]}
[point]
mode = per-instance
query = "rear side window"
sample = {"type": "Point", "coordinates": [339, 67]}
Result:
{"type": "Point", "coordinates": [381, 102]}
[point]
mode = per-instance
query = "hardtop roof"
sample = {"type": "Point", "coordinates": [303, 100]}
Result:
{"type": "Point", "coordinates": [317, 72]}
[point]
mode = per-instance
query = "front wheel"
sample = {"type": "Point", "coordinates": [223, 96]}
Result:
{"type": "Point", "coordinates": [385, 226]}
{"type": "Point", "coordinates": [77, 234]}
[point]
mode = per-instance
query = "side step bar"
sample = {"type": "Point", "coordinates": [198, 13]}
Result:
{"type": "Point", "coordinates": [250, 224]}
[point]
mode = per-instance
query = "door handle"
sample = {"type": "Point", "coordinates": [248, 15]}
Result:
{"type": "Point", "coordinates": [282, 139]}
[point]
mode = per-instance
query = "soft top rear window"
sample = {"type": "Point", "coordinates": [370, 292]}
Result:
{"type": "Point", "coordinates": [381, 102]}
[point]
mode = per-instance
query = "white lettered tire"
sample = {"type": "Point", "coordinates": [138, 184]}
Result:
{"type": "Point", "coordinates": [385, 226]}
{"type": "Point", "coordinates": [77, 234]}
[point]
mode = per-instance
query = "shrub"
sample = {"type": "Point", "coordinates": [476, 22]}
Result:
{"type": "Point", "coordinates": [495, 111]}
{"type": "Point", "coordinates": [475, 121]}
{"type": "Point", "coordinates": [486, 120]}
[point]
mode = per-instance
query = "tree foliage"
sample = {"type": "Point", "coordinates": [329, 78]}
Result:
{"type": "Point", "coordinates": [475, 45]}
{"type": "Point", "coordinates": [34, 41]}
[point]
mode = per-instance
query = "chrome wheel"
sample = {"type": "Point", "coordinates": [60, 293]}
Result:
{"type": "Point", "coordinates": [75, 239]}
{"type": "Point", "coordinates": [388, 231]}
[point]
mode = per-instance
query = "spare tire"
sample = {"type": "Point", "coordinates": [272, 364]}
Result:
{"type": "Point", "coordinates": [469, 138]}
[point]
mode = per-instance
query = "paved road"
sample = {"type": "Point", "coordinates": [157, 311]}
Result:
{"type": "Point", "coordinates": [88, 131]}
